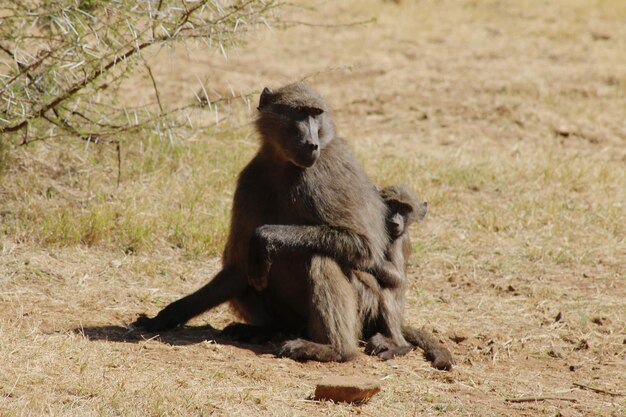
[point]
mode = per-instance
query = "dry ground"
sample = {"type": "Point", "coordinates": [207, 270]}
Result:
{"type": "Point", "coordinates": [508, 117]}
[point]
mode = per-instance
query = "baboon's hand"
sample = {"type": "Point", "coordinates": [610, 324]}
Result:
{"type": "Point", "coordinates": [155, 324]}
{"type": "Point", "coordinates": [259, 262]}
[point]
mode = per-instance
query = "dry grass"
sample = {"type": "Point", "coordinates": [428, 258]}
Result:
{"type": "Point", "coordinates": [508, 118]}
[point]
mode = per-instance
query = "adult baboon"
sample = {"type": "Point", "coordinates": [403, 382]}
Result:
{"type": "Point", "coordinates": [304, 217]}
{"type": "Point", "coordinates": [304, 214]}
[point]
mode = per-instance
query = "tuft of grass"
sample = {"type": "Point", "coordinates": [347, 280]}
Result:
{"type": "Point", "coordinates": [4, 157]}
{"type": "Point", "coordinates": [179, 194]}
{"type": "Point", "coordinates": [175, 195]}
{"type": "Point", "coordinates": [538, 210]}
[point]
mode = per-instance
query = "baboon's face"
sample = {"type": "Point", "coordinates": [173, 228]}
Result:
{"type": "Point", "coordinates": [399, 218]}
{"type": "Point", "coordinates": [294, 120]}
{"type": "Point", "coordinates": [403, 209]}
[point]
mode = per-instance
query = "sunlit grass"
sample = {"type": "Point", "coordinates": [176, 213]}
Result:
{"type": "Point", "coordinates": [549, 205]}
{"type": "Point", "coordinates": [178, 195]}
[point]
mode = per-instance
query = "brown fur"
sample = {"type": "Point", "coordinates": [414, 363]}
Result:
{"type": "Point", "coordinates": [304, 215]}
{"type": "Point", "coordinates": [305, 219]}
{"type": "Point", "coordinates": [389, 341]}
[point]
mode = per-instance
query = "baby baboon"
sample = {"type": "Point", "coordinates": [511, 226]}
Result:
{"type": "Point", "coordinates": [304, 214]}
{"type": "Point", "coordinates": [403, 209]}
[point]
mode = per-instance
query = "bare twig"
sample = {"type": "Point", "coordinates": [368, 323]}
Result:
{"type": "Point", "coordinates": [118, 147]}
{"type": "Point", "coordinates": [539, 398]}
{"type": "Point", "coordinates": [154, 21]}
{"type": "Point", "coordinates": [154, 84]}
{"type": "Point", "coordinates": [330, 25]}
{"type": "Point", "coordinates": [598, 390]}
{"type": "Point", "coordinates": [6, 50]}
{"type": "Point", "coordinates": [24, 69]}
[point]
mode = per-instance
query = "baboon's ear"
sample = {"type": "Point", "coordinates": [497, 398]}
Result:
{"type": "Point", "coordinates": [265, 97]}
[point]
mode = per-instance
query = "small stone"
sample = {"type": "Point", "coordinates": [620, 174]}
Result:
{"type": "Point", "coordinates": [600, 36]}
{"type": "Point", "coordinates": [348, 389]}
{"type": "Point", "coordinates": [457, 338]}
{"type": "Point", "coordinates": [600, 321]}
{"type": "Point", "coordinates": [556, 352]}
{"type": "Point", "coordinates": [582, 345]}
{"type": "Point", "coordinates": [564, 131]}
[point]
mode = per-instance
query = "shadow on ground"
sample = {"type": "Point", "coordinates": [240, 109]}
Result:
{"type": "Point", "coordinates": [182, 336]}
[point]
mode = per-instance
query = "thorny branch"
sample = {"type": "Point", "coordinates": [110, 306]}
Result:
{"type": "Point", "coordinates": [101, 52]}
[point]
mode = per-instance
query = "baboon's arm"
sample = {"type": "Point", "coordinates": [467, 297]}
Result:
{"type": "Point", "coordinates": [344, 246]}
{"type": "Point", "coordinates": [387, 274]}
{"type": "Point", "coordinates": [228, 283]}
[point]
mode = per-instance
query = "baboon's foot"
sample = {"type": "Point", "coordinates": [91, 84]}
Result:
{"type": "Point", "coordinates": [305, 350]}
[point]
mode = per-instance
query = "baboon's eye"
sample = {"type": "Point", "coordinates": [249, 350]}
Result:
{"type": "Point", "coordinates": [400, 207]}
{"type": "Point", "coordinates": [287, 111]}
{"type": "Point", "coordinates": [406, 209]}
{"type": "Point", "coordinates": [313, 111]}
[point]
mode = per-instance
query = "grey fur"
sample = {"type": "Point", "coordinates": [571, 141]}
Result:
{"type": "Point", "coordinates": [304, 216]}
{"type": "Point", "coordinates": [306, 221]}
{"type": "Point", "coordinates": [390, 339]}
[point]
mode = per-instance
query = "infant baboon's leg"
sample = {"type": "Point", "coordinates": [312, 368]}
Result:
{"type": "Point", "coordinates": [392, 314]}
{"type": "Point", "coordinates": [389, 341]}
{"type": "Point", "coordinates": [385, 348]}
